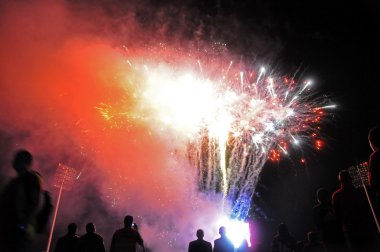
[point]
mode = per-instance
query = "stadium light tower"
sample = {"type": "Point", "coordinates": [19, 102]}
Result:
{"type": "Point", "coordinates": [359, 176]}
{"type": "Point", "coordinates": [64, 180]}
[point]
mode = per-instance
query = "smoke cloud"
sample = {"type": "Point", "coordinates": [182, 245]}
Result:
{"type": "Point", "coordinates": [60, 61]}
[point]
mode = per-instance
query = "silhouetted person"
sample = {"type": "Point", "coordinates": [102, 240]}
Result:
{"type": "Point", "coordinates": [20, 204]}
{"type": "Point", "coordinates": [299, 246]}
{"type": "Point", "coordinates": [374, 163]}
{"type": "Point", "coordinates": [243, 246]}
{"type": "Point", "coordinates": [283, 241]}
{"type": "Point", "coordinates": [125, 239]}
{"type": "Point", "coordinates": [352, 211]}
{"type": "Point", "coordinates": [91, 241]}
{"type": "Point", "coordinates": [200, 245]}
{"type": "Point", "coordinates": [325, 220]}
{"type": "Point", "coordinates": [223, 244]}
{"type": "Point", "coordinates": [313, 244]}
{"type": "Point", "coordinates": [68, 242]}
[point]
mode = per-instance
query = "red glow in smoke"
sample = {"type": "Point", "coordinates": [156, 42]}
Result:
{"type": "Point", "coordinates": [52, 79]}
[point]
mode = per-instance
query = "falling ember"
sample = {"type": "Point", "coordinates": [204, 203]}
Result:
{"type": "Point", "coordinates": [275, 155]}
{"type": "Point", "coordinates": [233, 121]}
{"type": "Point", "coordinates": [318, 144]}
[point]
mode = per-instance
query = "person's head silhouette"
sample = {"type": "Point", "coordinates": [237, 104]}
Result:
{"type": "Point", "coordinates": [312, 236]}
{"type": "Point", "coordinates": [22, 161]}
{"type": "Point", "coordinates": [72, 229]}
{"type": "Point", "coordinates": [345, 178]}
{"type": "Point", "coordinates": [90, 228]}
{"type": "Point", "coordinates": [128, 221]}
{"type": "Point", "coordinates": [222, 231]}
{"type": "Point", "coordinates": [374, 138]}
{"type": "Point", "coordinates": [322, 196]}
{"type": "Point", "coordinates": [282, 229]}
{"type": "Point", "coordinates": [200, 234]}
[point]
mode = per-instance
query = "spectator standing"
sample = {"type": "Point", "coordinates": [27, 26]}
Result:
{"type": "Point", "coordinates": [22, 202]}
{"type": "Point", "coordinates": [353, 213]}
{"type": "Point", "coordinates": [283, 241]}
{"type": "Point", "coordinates": [127, 238]}
{"type": "Point", "coordinates": [200, 245]}
{"type": "Point", "coordinates": [68, 242]}
{"type": "Point", "coordinates": [91, 241]}
{"type": "Point", "coordinates": [325, 220]}
{"type": "Point", "coordinates": [223, 244]}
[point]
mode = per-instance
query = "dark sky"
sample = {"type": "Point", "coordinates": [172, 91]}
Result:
{"type": "Point", "coordinates": [337, 44]}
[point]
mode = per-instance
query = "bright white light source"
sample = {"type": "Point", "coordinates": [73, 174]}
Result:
{"type": "Point", "coordinates": [237, 231]}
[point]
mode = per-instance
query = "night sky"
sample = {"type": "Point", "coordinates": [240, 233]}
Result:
{"type": "Point", "coordinates": [335, 43]}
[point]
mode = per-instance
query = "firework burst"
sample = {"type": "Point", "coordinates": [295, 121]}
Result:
{"type": "Point", "coordinates": [233, 120]}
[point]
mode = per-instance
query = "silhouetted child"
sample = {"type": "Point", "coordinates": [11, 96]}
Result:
{"type": "Point", "coordinates": [200, 245]}
{"type": "Point", "coordinates": [223, 244]}
{"type": "Point", "coordinates": [68, 242]}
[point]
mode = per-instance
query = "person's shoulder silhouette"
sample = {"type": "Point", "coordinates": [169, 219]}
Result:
{"type": "Point", "coordinates": [68, 242]}
{"type": "Point", "coordinates": [313, 244]}
{"type": "Point", "coordinates": [283, 240]}
{"type": "Point", "coordinates": [223, 244]}
{"type": "Point", "coordinates": [91, 241]}
{"type": "Point", "coordinates": [243, 246]}
{"type": "Point", "coordinates": [21, 203]}
{"type": "Point", "coordinates": [200, 245]}
{"type": "Point", "coordinates": [324, 218]}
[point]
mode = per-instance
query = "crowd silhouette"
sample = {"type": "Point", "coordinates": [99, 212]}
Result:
{"type": "Point", "coordinates": [345, 220]}
{"type": "Point", "coordinates": [123, 240]}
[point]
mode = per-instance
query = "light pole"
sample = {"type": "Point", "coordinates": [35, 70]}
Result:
{"type": "Point", "coordinates": [359, 175]}
{"type": "Point", "coordinates": [64, 180]}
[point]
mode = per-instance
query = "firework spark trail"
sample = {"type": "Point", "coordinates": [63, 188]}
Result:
{"type": "Point", "coordinates": [245, 166]}
{"type": "Point", "coordinates": [232, 127]}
